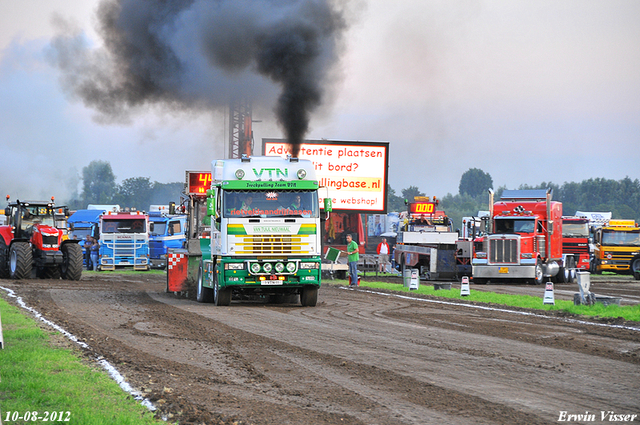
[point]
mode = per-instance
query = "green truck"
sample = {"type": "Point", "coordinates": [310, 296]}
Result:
{"type": "Point", "coordinates": [265, 231]}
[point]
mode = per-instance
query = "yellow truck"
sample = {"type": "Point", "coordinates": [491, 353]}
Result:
{"type": "Point", "coordinates": [617, 248]}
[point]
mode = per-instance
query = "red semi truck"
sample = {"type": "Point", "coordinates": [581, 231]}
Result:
{"type": "Point", "coordinates": [524, 241]}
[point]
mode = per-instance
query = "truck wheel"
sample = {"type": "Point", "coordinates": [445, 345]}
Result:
{"type": "Point", "coordinates": [203, 294]}
{"type": "Point", "coordinates": [20, 260]}
{"type": "Point", "coordinates": [4, 259]}
{"type": "Point", "coordinates": [72, 257]}
{"type": "Point", "coordinates": [635, 268]}
{"type": "Point", "coordinates": [221, 297]}
{"type": "Point", "coordinates": [309, 296]}
{"type": "Point", "coordinates": [539, 278]}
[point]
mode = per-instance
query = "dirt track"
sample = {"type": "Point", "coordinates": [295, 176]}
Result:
{"type": "Point", "coordinates": [359, 357]}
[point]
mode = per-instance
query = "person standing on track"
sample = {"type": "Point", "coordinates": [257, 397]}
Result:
{"type": "Point", "coordinates": [352, 259]}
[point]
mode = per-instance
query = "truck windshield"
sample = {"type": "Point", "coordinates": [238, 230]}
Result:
{"type": "Point", "coordinates": [575, 230]}
{"type": "Point", "coordinates": [619, 238]}
{"type": "Point", "coordinates": [270, 203]}
{"type": "Point", "coordinates": [124, 226]}
{"type": "Point", "coordinates": [37, 215]}
{"type": "Point", "coordinates": [158, 228]}
{"type": "Point", "coordinates": [510, 225]}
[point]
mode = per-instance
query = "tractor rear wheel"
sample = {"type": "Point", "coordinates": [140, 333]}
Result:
{"type": "Point", "coordinates": [4, 259]}
{"type": "Point", "coordinates": [20, 260]}
{"type": "Point", "coordinates": [71, 267]}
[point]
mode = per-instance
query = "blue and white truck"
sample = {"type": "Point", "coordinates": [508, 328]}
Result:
{"type": "Point", "coordinates": [166, 231]}
{"type": "Point", "coordinates": [265, 231]}
{"type": "Point", "coordinates": [124, 241]}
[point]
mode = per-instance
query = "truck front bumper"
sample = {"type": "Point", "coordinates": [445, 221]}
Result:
{"type": "Point", "coordinates": [512, 271]}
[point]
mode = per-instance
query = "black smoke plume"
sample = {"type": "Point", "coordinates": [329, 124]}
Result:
{"type": "Point", "coordinates": [196, 54]}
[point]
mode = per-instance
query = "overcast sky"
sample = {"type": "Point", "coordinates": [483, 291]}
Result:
{"type": "Point", "coordinates": [525, 91]}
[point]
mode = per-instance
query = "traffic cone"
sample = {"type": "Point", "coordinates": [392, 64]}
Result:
{"type": "Point", "coordinates": [464, 287]}
{"type": "Point", "coordinates": [548, 294]}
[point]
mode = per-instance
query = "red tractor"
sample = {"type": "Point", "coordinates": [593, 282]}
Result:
{"type": "Point", "coordinates": [31, 241]}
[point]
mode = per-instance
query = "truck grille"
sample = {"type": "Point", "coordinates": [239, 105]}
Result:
{"type": "Point", "coordinates": [503, 250]}
{"type": "Point", "coordinates": [268, 245]}
{"type": "Point", "coordinates": [575, 247]}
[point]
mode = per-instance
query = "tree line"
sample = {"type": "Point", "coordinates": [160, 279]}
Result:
{"type": "Point", "coordinates": [620, 197]}
{"type": "Point", "coordinates": [99, 187]}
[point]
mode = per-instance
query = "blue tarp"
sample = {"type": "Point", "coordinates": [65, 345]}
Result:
{"type": "Point", "coordinates": [85, 216]}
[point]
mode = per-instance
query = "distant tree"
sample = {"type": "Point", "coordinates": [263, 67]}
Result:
{"type": "Point", "coordinates": [394, 202]}
{"type": "Point", "coordinates": [475, 182]}
{"type": "Point", "coordinates": [135, 192]}
{"type": "Point", "coordinates": [163, 193]}
{"type": "Point", "coordinates": [98, 183]}
{"type": "Point", "coordinates": [411, 192]}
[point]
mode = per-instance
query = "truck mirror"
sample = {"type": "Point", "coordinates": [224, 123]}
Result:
{"type": "Point", "coordinates": [328, 205]}
{"type": "Point", "coordinates": [7, 211]}
{"type": "Point", "coordinates": [151, 226]}
{"type": "Point", "coordinates": [211, 205]}
{"type": "Point", "coordinates": [172, 208]}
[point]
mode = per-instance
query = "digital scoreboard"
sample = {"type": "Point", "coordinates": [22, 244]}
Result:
{"type": "Point", "coordinates": [198, 182]}
{"type": "Point", "coordinates": [422, 207]}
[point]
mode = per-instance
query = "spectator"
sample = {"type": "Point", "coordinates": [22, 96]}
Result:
{"type": "Point", "coordinates": [95, 249]}
{"type": "Point", "coordinates": [383, 255]}
{"type": "Point", "coordinates": [87, 251]}
{"type": "Point", "coordinates": [352, 259]}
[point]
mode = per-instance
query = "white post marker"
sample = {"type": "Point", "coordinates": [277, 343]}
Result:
{"type": "Point", "coordinates": [464, 287]}
{"type": "Point", "coordinates": [1, 343]}
{"type": "Point", "coordinates": [548, 294]}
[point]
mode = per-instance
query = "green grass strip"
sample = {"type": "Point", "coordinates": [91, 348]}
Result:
{"type": "Point", "coordinates": [37, 376]}
{"type": "Point", "coordinates": [627, 312]}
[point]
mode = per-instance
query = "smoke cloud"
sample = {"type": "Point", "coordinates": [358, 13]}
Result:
{"type": "Point", "coordinates": [195, 55]}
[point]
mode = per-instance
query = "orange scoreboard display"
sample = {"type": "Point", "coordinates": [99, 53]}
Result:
{"type": "Point", "coordinates": [422, 208]}
{"type": "Point", "coordinates": [198, 182]}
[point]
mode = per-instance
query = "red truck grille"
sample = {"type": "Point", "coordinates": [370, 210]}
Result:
{"type": "Point", "coordinates": [503, 251]}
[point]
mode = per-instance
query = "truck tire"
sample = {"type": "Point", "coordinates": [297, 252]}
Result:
{"type": "Point", "coordinates": [221, 297]}
{"type": "Point", "coordinates": [309, 296]}
{"type": "Point", "coordinates": [635, 268]}
{"type": "Point", "coordinates": [4, 259]}
{"type": "Point", "coordinates": [20, 260]}
{"type": "Point", "coordinates": [203, 294]}
{"type": "Point", "coordinates": [539, 278]}
{"type": "Point", "coordinates": [71, 267]}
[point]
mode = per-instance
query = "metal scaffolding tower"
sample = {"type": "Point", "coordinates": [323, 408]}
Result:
{"type": "Point", "coordinates": [240, 131]}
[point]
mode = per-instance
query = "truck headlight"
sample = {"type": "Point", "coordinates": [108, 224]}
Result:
{"type": "Point", "coordinates": [234, 266]}
{"type": "Point", "coordinates": [307, 266]}
{"type": "Point", "coordinates": [255, 267]}
{"type": "Point", "coordinates": [279, 267]}
{"type": "Point", "coordinates": [267, 267]}
{"type": "Point", "coordinates": [291, 267]}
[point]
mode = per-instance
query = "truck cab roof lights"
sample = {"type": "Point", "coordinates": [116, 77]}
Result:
{"type": "Point", "coordinates": [245, 158]}
{"type": "Point", "coordinates": [239, 173]}
{"type": "Point", "coordinates": [302, 173]}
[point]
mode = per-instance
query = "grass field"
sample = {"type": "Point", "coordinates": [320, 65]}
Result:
{"type": "Point", "coordinates": [42, 381]}
{"type": "Point", "coordinates": [631, 313]}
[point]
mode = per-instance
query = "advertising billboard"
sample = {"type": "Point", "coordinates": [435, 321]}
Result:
{"type": "Point", "coordinates": [354, 172]}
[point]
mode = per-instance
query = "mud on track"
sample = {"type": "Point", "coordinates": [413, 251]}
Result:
{"type": "Point", "coordinates": [356, 358]}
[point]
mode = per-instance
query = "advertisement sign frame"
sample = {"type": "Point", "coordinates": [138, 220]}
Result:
{"type": "Point", "coordinates": [324, 150]}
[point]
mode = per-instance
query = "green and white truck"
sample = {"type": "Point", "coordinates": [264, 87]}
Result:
{"type": "Point", "coordinates": [265, 231]}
